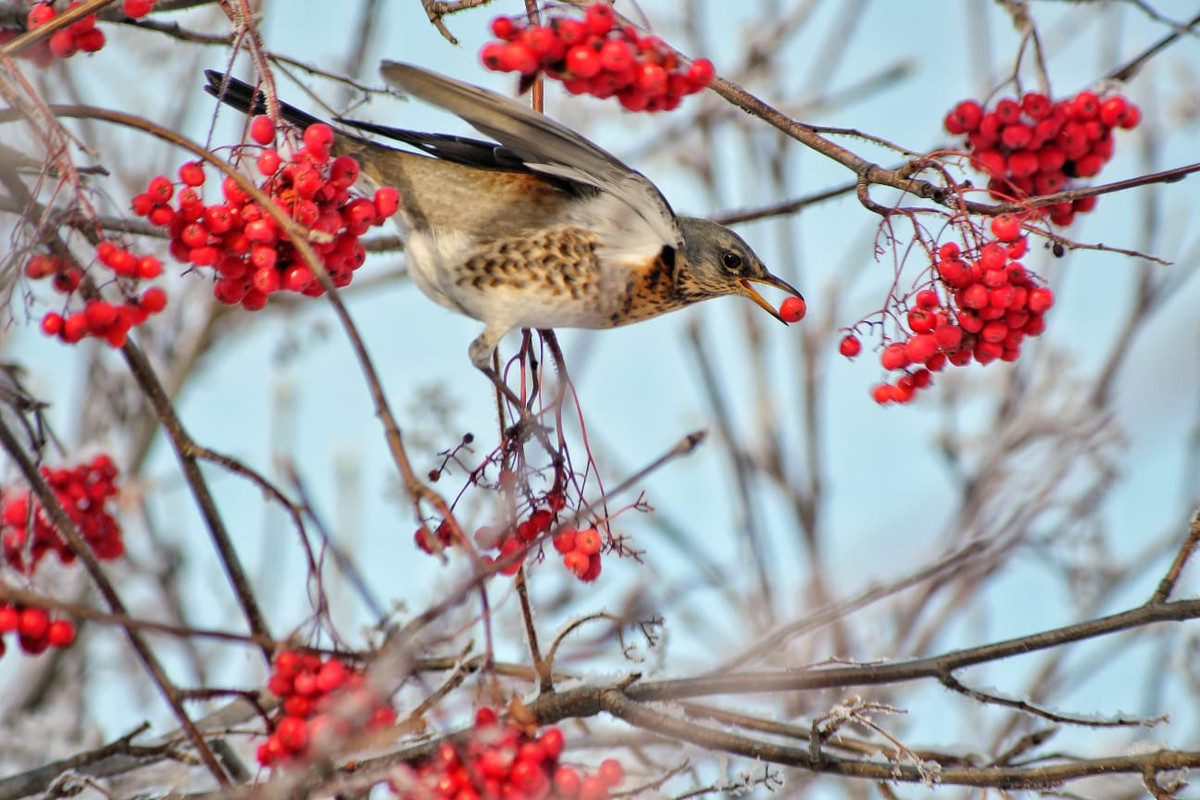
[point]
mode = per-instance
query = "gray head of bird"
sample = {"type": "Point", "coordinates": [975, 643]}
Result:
{"type": "Point", "coordinates": [719, 262]}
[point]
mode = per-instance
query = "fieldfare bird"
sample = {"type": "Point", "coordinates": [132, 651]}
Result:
{"type": "Point", "coordinates": [539, 228]}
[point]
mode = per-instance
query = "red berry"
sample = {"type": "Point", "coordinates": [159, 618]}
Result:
{"type": "Point", "coordinates": [39, 15]}
{"type": "Point", "coordinates": [1040, 300]}
{"type": "Point", "coordinates": [192, 173]}
{"type": "Point", "coordinates": [1131, 118]}
{"type": "Point", "coordinates": [994, 331]}
{"type": "Point", "coordinates": [160, 189]}
{"type": "Point", "coordinates": [583, 62]}
{"type": "Point", "coordinates": [593, 569]}
{"type": "Point", "coordinates": [551, 742]}
{"type": "Point", "coordinates": [90, 40]}
{"type": "Point", "coordinates": [1023, 163]}
{"type": "Point", "coordinates": [1036, 105]}
{"type": "Point", "coordinates": [588, 541]}
{"type": "Point", "coordinates": [927, 298]}
{"type": "Point", "coordinates": [522, 58]}
{"type": "Point", "coordinates": [993, 256]}
{"type": "Point", "coordinates": [1089, 166]}
{"type": "Point", "coordinates": [611, 772]}
{"type": "Point", "coordinates": [1085, 106]}
{"type": "Point", "coordinates": [850, 346]}
{"type": "Point", "coordinates": [1007, 227]}
{"type": "Point", "coordinates": [262, 129]}
{"type": "Point", "coordinates": [154, 300]}
{"type": "Point", "coordinates": [991, 162]}
{"type": "Point", "coordinates": [318, 136]}
{"type": "Point", "coordinates": [576, 562]}
{"type": "Point", "coordinates": [343, 172]}
{"type": "Point", "coordinates": [504, 28]}
{"type": "Point", "coordinates": [331, 676]}
{"type": "Point", "coordinates": [1112, 111]}
{"type": "Point", "coordinates": [52, 324]}
{"type": "Point", "coordinates": [600, 18]}
{"type": "Point", "coordinates": [566, 783]}
{"type": "Point", "coordinates": [292, 734]}
{"type": "Point", "coordinates": [268, 162]}
{"type": "Point", "coordinates": [954, 272]}
{"type": "Point", "coordinates": [651, 78]}
{"type": "Point", "coordinates": [793, 309]}
{"type": "Point", "coordinates": [965, 118]}
{"type": "Point", "coordinates": [701, 73]}
{"type": "Point", "coordinates": [138, 8]}
{"type": "Point", "coordinates": [616, 57]}
{"type": "Point", "coordinates": [74, 328]}
{"type": "Point", "coordinates": [1016, 136]}
{"type": "Point", "coordinates": [33, 623]}
{"type": "Point", "coordinates": [920, 320]}
{"type": "Point", "coordinates": [148, 268]}
{"type": "Point", "coordinates": [494, 56]}
{"type": "Point", "coordinates": [920, 347]}
{"type": "Point", "coordinates": [545, 44]}
{"type": "Point", "coordinates": [894, 357]}
{"type": "Point", "coordinates": [9, 619]}
{"type": "Point", "coordinates": [99, 314]}
{"type": "Point", "coordinates": [975, 296]}
{"type": "Point", "coordinates": [571, 31]}
{"type": "Point", "coordinates": [61, 633]}
{"type": "Point", "coordinates": [387, 201]}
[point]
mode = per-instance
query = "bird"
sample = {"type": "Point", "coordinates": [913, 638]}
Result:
{"type": "Point", "coordinates": [538, 228]}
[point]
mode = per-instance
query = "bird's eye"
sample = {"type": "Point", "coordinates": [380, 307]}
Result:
{"type": "Point", "coordinates": [733, 262]}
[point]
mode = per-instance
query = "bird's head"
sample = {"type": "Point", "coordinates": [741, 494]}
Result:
{"type": "Point", "coordinates": [716, 261]}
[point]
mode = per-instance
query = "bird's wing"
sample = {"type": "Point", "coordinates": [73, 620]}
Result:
{"type": "Point", "coordinates": [639, 219]}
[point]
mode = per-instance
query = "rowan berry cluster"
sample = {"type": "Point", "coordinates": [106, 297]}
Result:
{"type": "Point", "coordinates": [503, 761]}
{"type": "Point", "coordinates": [34, 627]}
{"type": "Point", "coordinates": [98, 317]}
{"type": "Point", "coordinates": [982, 306]}
{"type": "Point", "coordinates": [1034, 146]}
{"type": "Point", "coordinates": [597, 56]}
{"type": "Point", "coordinates": [27, 536]}
{"type": "Point", "coordinates": [80, 36]}
{"type": "Point", "coordinates": [580, 549]}
{"type": "Point", "coordinates": [251, 256]}
{"type": "Point", "coordinates": [84, 492]}
{"type": "Point", "coordinates": [309, 687]}
{"type": "Point", "coordinates": [581, 552]}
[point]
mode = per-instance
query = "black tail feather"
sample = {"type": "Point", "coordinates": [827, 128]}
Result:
{"type": "Point", "coordinates": [244, 98]}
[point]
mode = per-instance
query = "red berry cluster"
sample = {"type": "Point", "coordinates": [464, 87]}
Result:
{"type": "Point", "coordinates": [308, 687]}
{"type": "Point", "coordinates": [580, 549]}
{"type": "Point", "coordinates": [82, 35]}
{"type": "Point", "coordinates": [84, 493]}
{"type": "Point", "coordinates": [981, 308]}
{"type": "Point", "coordinates": [503, 761]}
{"type": "Point", "coordinates": [581, 552]}
{"type": "Point", "coordinates": [34, 628]}
{"type": "Point", "coordinates": [1035, 146]}
{"type": "Point", "coordinates": [244, 245]}
{"type": "Point", "coordinates": [598, 57]}
{"type": "Point", "coordinates": [99, 318]}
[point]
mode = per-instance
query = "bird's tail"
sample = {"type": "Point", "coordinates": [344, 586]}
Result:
{"type": "Point", "coordinates": [245, 98]}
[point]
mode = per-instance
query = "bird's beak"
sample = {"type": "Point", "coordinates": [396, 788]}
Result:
{"type": "Point", "coordinates": [770, 280]}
